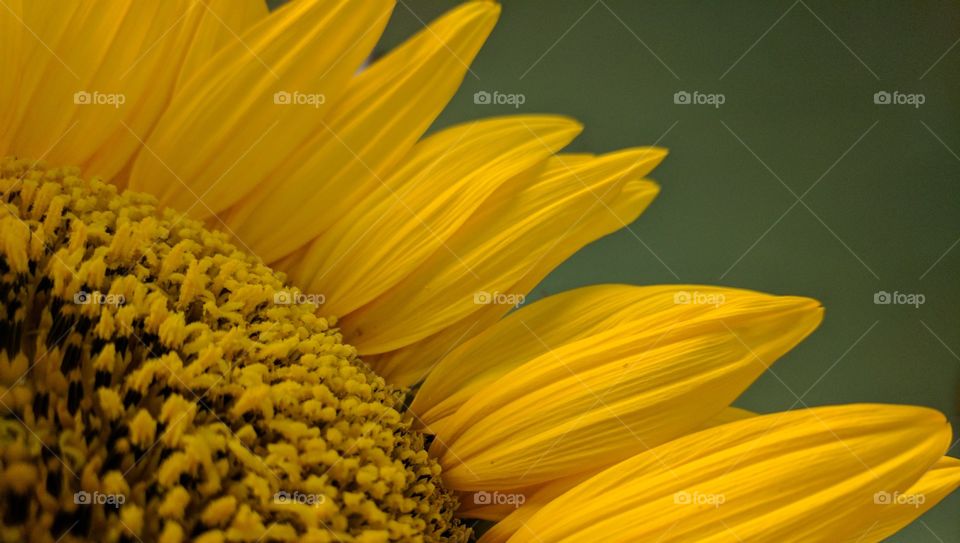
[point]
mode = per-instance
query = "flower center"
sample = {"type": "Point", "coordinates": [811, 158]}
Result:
{"type": "Point", "coordinates": [157, 383]}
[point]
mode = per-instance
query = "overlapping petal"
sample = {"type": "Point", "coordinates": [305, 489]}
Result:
{"type": "Point", "coordinates": [253, 86]}
{"type": "Point", "coordinates": [890, 511]}
{"type": "Point", "coordinates": [497, 246]}
{"type": "Point", "coordinates": [384, 111]}
{"type": "Point", "coordinates": [660, 363]}
{"type": "Point", "coordinates": [560, 320]}
{"type": "Point", "coordinates": [534, 497]}
{"type": "Point", "coordinates": [85, 80]}
{"type": "Point", "coordinates": [217, 23]}
{"type": "Point", "coordinates": [795, 476]}
{"type": "Point", "coordinates": [418, 207]}
{"type": "Point", "coordinates": [618, 207]}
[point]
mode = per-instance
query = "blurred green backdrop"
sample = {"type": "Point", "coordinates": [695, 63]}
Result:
{"type": "Point", "coordinates": [799, 183]}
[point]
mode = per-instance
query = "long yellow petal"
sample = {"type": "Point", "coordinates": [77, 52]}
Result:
{"type": "Point", "coordinates": [235, 121]}
{"type": "Point", "coordinates": [200, 30]}
{"type": "Point", "coordinates": [12, 34]}
{"type": "Point", "coordinates": [606, 396]}
{"type": "Point", "coordinates": [218, 23]}
{"type": "Point", "coordinates": [512, 514]}
{"type": "Point", "coordinates": [418, 208]}
{"type": "Point", "coordinates": [889, 512]}
{"type": "Point", "coordinates": [561, 320]}
{"type": "Point", "coordinates": [38, 24]}
{"type": "Point", "coordinates": [385, 110]}
{"type": "Point", "coordinates": [496, 247]}
{"type": "Point", "coordinates": [89, 73]}
{"type": "Point", "coordinates": [412, 363]}
{"type": "Point", "coordinates": [793, 476]}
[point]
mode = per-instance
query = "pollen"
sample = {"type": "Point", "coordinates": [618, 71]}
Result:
{"type": "Point", "coordinates": [155, 387]}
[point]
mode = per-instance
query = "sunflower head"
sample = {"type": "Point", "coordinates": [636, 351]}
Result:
{"type": "Point", "coordinates": [158, 383]}
{"type": "Point", "coordinates": [175, 374]}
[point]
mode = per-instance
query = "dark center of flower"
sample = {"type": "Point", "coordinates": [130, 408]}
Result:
{"type": "Point", "coordinates": [157, 383]}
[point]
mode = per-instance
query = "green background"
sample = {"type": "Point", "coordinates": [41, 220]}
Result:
{"type": "Point", "coordinates": [799, 78]}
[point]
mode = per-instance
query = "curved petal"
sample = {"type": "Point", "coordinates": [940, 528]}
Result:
{"type": "Point", "coordinates": [218, 23]}
{"type": "Point", "coordinates": [607, 395]}
{"type": "Point", "coordinates": [793, 476]}
{"type": "Point", "coordinates": [888, 512]}
{"type": "Point", "coordinates": [412, 363]}
{"type": "Point", "coordinates": [282, 74]}
{"type": "Point", "coordinates": [414, 212]}
{"type": "Point", "coordinates": [201, 29]}
{"type": "Point", "coordinates": [86, 71]}
{"type": "Point", "coordinates": [386, 108]}
{"type": "Point", "coordinates": [511, 516]}
{"type": "Point", "coordinates": [497, 246]}
{"type": "Point", "coordinates": [560, 320]}
{"type": "Point", "coordinates": [11, 67]}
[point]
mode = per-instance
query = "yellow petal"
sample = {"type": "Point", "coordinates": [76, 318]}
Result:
{"type": "Point", "coordinates": [87, 71]}
{"type": "Point", "coordinates": [200, 30]}
{"type": "Point", "coordinates": [887, 512]}
{"type": "Point", "coordinates": [38, 24]}
{"type": "Point", "coordinates": [429, 197]}
{"type": "Point", "coordinates": [495, 248]}
{"type": "Point", "coordinates": [412, 363]}
{"type": "Point", "coordinates": [605, 396]}
{"type": "Point", "coordinates": [798, 476]}
{"type": "Point", "coordinates": [11, 42]}
{"type": "Point", "coordinates": [510, 517]}
{"type": "Point", "coordinates": [231, 124]}
{"type": "Point", "coordinates": [385, 110]}
{"type": "Point", "coordinates": [218, 23]}
{"type": "Point", "coordinates": [561, 320]}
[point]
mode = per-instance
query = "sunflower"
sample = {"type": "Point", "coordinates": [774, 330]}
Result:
{"type": "Point", "coordinates": [247, 298]}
